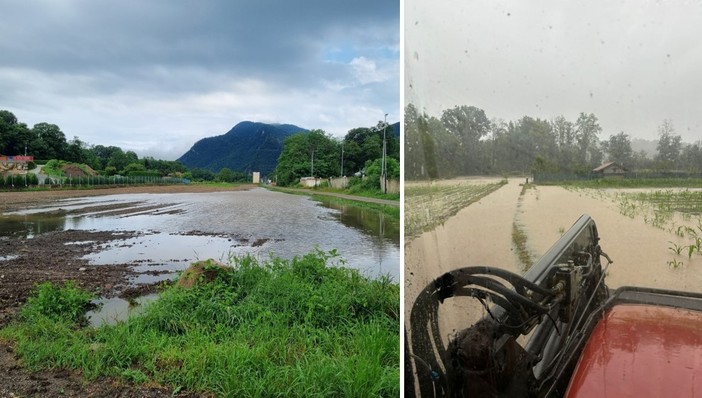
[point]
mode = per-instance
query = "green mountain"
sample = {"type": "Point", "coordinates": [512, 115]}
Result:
{"type": "Point", "coordinates": [396, 129]}
{"type": "Point", "coordinates": [247, 147]}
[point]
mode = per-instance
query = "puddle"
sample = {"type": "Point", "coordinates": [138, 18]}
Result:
{"type": "Point", "coordinates": [163, 248]}
{"type": "Point", "coordinates": [114, 310]}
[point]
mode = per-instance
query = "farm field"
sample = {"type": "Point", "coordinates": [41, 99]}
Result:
{"type": "Point", "coordinates": [650, 245]}
{"type": "Point", "coordinates": [428, 204]}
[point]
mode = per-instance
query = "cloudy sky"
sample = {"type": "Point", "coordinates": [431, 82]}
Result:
{"type": "Point", "coordinates": [155, 76]}
{"type": "Point", "coordinates": [632, 63]}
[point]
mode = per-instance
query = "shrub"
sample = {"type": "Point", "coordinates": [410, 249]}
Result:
{"type": "Point", "coordinates": [58, 303]}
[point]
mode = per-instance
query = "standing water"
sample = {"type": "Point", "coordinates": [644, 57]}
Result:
{"type": "Point", "coordinates": [174, 230]}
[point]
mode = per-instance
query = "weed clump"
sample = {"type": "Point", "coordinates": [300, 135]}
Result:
{"type": "Point", "coordinates": [66, 303]}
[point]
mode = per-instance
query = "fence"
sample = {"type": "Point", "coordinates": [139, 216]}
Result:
{"type": "Point", "coordinates": [111, 180]}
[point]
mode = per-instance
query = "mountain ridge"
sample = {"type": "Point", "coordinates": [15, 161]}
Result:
{"type": "Point", "coordinates": [246, 147]}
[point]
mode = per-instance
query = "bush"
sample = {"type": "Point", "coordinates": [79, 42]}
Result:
{"type": "Point", "coordinates": [32, 179]}
{"type": "Point", "coordinates": [58, 303]}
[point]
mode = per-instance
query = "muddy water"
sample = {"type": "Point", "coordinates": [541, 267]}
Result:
{"type": "Point", "coordinates": [639, 250]}
{"type": "Point", "coordinates": [481, 235]}
{"type": "Point", "coordinates": [176, 229]}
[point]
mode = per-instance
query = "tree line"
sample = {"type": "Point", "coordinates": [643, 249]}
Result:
{"type": "Point", "coordinates": [46, 141]}
{"type": "Point", "coordinates": [316, 153]}
{"type": "Point", "coordinates": [464, 141]}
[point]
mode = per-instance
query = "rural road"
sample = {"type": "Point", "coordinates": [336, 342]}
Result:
{"type": "Point", "coordinates": [343, 196]}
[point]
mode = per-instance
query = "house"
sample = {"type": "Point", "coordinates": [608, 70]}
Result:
{"type": "Point", "coordinates": [610, 169]}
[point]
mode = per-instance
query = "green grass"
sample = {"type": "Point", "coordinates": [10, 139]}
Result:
{"type": "Point", "coordinates": [54, 168]}
{"type": "Point", "coordinates": [429, 205]}
{"type": "Point", "coordinates": [351, 191]}
{"type": "Point", "coordinates": [633, 183]}
{"type": "Point", "coordinates": [519, 240]}
{"type": "Point", "coordinates": [388, 210]}
{"type": "Point", "coordinates": [391, 211]}
{"type": "Point", "coordinates": [357, 191]}
{"type": "Point", "coordinates": [293, 328]}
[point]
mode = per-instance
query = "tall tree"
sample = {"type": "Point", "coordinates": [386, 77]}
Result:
{"type": "Point", "coordinates": [468, 125]}
{"type": "Point", "coordinates": [669, 145]}
{"type": "Point", "coordinates": [312, 153]}
{"type": "Point", "coordinates": [420, 148]}
{"type": "Point", "coordinates": [51, 141]}
{"type": "Point", "coordinates": [691, 157]}
{"type": "Point", "coordinates": [564, 131]}
{"type": "Point", "coordinates": [587, 130]}
{"type": "Point", "coordinates": [619, 149]}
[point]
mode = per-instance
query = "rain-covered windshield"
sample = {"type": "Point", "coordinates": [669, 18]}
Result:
{"type": "Point", "coordinates": [520, 117]}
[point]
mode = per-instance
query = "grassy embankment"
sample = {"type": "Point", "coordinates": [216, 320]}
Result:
{"type": "Point", "coordinates": [361, 192]}
{"type": "Point", "coordinates": [293, 328]}
{"type": "Point", "coordinates": [391, 211]}
{"type": "Point", "coordinates": [633, 183]}
{"type": "Point", "coordinates": [430, 204]}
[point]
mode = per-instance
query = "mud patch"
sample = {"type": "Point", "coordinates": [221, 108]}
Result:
{"type": "Point", "coordinates": [57, 257]}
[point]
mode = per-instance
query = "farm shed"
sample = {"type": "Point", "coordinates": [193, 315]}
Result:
{"type": "Point", "coordinates": [610, 169]}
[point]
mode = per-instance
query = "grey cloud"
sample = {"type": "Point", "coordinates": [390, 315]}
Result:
{"type": "Point", "coordinates": [105, 69]}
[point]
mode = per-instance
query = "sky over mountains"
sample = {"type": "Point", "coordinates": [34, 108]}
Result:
{"type": "Point", "coordinates": [154, 77]}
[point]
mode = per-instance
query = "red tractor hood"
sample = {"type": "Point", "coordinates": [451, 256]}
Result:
{"type": "Point", "coordinates": [641, 350]}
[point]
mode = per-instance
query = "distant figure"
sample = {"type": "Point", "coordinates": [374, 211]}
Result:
{"type": "Point", "coordinates": [527, 180]}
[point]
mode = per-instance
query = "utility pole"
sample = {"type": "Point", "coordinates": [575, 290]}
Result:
{"type": "Point", "coordinates": [342, 158]}
{"type": "Point", "coordinates": [383, 162]}
{"type": "Point", "coordinates": [385, 165]}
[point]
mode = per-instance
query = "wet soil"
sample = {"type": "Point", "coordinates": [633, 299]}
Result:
{"type": "Point", "coordinates": [57, 257]}
{"type": "Point", "coordinates": [16, 200]}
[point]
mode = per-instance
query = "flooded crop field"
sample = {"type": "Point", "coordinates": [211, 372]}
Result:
{"type": "Point", "coordinates": [654, 245]}
{"type": "Point", "coordinates": [126, 244]}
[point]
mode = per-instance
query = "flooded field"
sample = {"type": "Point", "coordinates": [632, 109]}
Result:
{"type": "Point", "coordinates": [174, 229]}
{"type": "Point", "coordinates": [149, 238]}
{"type": "Point", "coordinates": [643, 252]}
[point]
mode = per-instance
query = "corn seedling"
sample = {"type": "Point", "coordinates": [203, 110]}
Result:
{"type": "Point", "coordinates": [675, 248]}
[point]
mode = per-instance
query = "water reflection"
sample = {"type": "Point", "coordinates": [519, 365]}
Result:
{"type": "Point", "coordinates": [113, 310]}
{"type": "Point", "coordinates": [28, 226]}
{"type": "Point", "coordinates": [215, 225]}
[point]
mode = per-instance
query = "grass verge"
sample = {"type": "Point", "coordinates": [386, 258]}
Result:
{"type": "Point", "coordinates": [295, 328]}
{"type": "Point", "coordinates": [391, 211]}
{"type": "Point", "coordinates": [633, 183]}
{"type": "Point", "coordinates": [519, 239]}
